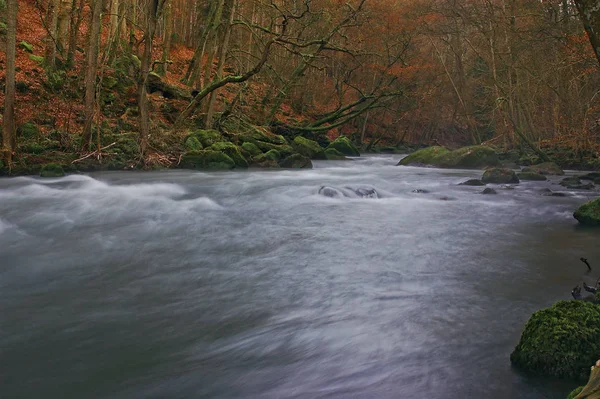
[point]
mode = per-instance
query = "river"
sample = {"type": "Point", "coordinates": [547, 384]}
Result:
{"type": "Point", "coordinates": [183, 284]}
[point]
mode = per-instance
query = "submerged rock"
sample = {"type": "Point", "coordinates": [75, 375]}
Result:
{"type": "Point", "coordinates": [344, 146]}
{"type": "Point", "coordinates": [590, 176]}
{"type": "Point", "coordinates": [561, 341]}
{"type": "Point", "coordinates": [589, 213]}
{"type": "Point", "coordinates": [420, 191]}
{"type": "Point", "coordinates": [489, 190]}
{"type": "Point", "coordinates": [546, 168]}
{"type": "Point", "coordinates": [52, 170]}
{"type": "Point", "coordinates": [309, 148]}
{"type": "Point", "coordinates": [472, 182]}
{"type": "Point", "coordinates": [531, 176]}
{"type": "Point", "coordinates": [296, 161]}
{"type": "Point", "coordinates": [348, 192]}
{"type": "Point", "coordinates": [573, 183]}
{"type": "Point", "coordinates": [499, 176]}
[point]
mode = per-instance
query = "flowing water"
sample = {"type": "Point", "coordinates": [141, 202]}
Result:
{"type": "Point", "coordinates": [181, 284]}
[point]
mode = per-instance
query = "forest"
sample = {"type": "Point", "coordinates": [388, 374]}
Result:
{"type": "Point", "coordinates": [123, 84]}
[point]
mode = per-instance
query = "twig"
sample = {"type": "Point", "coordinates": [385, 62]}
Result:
{"type": "Point", "coordinates": [97, 152]}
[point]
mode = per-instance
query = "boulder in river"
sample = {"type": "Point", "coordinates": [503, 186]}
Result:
{"type": "Point", "coordinates": [334, 155]}
{"type": "Point", "coordinates": [345, 146]}
{"type": "Point", "coordinates": [573, 183]}
{"type": "Point", "coordinates": [308, 148]}
{"type": "Point", "coordinates": [296, 161]}
{"type": "Point", "coordinates": [531, 176]}
{"type": "Point", "coordinates": [52, 170]}
{"type": "Point", "coordinates": [489, 190]}
{"type": "Point", "coordinates": [499, 176]}
{"type": "Point", "coordinates": [590, 176]}
{"type": "Point", "coordinates": [426, 156]}
{"type": "Point", "coordinates": [205, 137]}
{"type": "Point", "coordinates": [589, 213]}
{"type": "Point", "coordinates": [232, 152]}
{"type": "Point", "coordinates": [472, 157]}
{"type": "Point", "coordinates": [472, 182]}
{"type": "Point", "coordinates": [561, 341]}
{"type": "Point", "coordinates": [251, 149]}
{"type": "Point", "coordinates": [271, 155]}
{"type": "Point", "coordinates": [546, 168]}
{"type": "Point", "coordinates": [206, 159]}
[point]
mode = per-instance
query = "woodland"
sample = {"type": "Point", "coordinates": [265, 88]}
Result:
{"type": "Point", "coordinates": [123, 84]}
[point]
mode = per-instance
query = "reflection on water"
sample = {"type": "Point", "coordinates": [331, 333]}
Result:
{"type": "Point", "coordinates": [251, 284]}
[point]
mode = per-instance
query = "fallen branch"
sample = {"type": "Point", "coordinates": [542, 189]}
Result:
{"type": "Point", "coordinates": [97, 152]}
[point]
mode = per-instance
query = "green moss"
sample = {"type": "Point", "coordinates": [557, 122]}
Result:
{"type": "Point", "coordinates": [573, 183]}
{"type": "Point", "coordinates": [26, 46]}
{"type": "Point", "coordinates": [332, 154]}
{"type": "Point", "coordinates": [426, 156]}
{"type": "Point", "coordinates": [561, 341]}
{"type": "Point", "coordinates": [109, 82]}
{"type": "Point", "coordinates": [477, 156]}
{"type": "Point", "coordinates": [232, 151]}
{"type": "Point", "coordinates": [309, 148]}
{"type": "Point", "coordinates": [499, 176]}
{"type": "Point", "coordinates": [575, 392]}
{"type": "Point", "coordinates": [589, 213]}
{"type": "Point", "coordinates": [36, 58]}
{"type": "Point", "coordinates": [590, 176]}
{"type": "Point", "coordinates": [28, 131]}
{"type": "Point", "coordinates": [193, 144]}
{"type": "Point", "coordinates": [251, 149]}
{"type": "Point", "coordinates": [271, 155]}
{"type": "Point", "coordinates": [32, 148]}
{"type": "Point", "coordinates": [207, 137]}
{"type": "Point", "coordinates": [206, 159]}
{"type": "Point", "coordinates": [546, 168]}
{"type": "Point", "coordinates": [283, 149]}
{"type": "Point", "coordinates": [345, 146]}
{"type": "Point", "coordinates": [3, 28]}
{"type": "Point", "coordinates": [296, 161]}
{"type": "Point", "coordinates": [52, 170]}
{"type": "Point", "coordinates": [531, 176]}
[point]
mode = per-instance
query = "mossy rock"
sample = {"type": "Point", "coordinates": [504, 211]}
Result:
{"type": "Point", "coordinates": [561, 341]}
{"type": "Point", "coordinates": [531, 176]}
{"type": "Point", "coordinates": [109, 82]}
{"type": "Point", "coordinates": [499, 176]}
{"type": "Point", "coordinates": [37, 58]}
{"type": "Point", "coordinates": [251, 149]}
{"type": "Point", "coordinates": [283, 149]}
{"type": "Point", "coordinates": [28, 47]}
{"type": "Point", "coordinates": [575, 392]}
{"type": "Point", "coordinates": [473, 157]}
{"type": "Point", "coordinates": [546, 168]}
{"type": "Point", "coordinates": [271, 155]}
{"type": "Point", "coordinates": [345, 146]}
{"type": "Point", "coordinates": [207, 137]}
{"type": "Point", "coordinates": [426, 156]}
{"type": "Point", "coordinates": [232, 151]}
{"type": "Point", "coordinates": [193, 144]}
{"type": "Point", "coordinates": [32, 148]}
{"type": "Point", "coordinates": [28, 131]}
{"type": "Point", "coordinates": [589, 213]}
{"type": "Point", "coordinates": [590, 176]}
{"type": "Point", "coordinates": [472, 182]}
{"type": "Point", "coordinates": [296, 161]}
{"type": "Point", "coordinates": [573, 183]}
{"type": "Point", "coordinates": [308, 148]}
{"type": "Point", "coordinates": [52, 170]}
{"type": "Point", "coordinates": [207, 159]}
{"type": "Point", "coordinates": [331, 154]}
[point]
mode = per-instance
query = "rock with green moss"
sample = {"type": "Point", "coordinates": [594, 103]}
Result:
{"type": "Point", "coordinates": [251, 149]}
{"type": "Point", "coordinates": [426, 156]}
{"type": "Point", "coordinates": [32, 148]}
{"type": "Point", "coordinates": [36, 58]}
{"type": "Point", "coordinates": [271, 155]}
{"type": "Point", "coordinates": [232, 152]}
{"type": "Point", "coordinates": [206, 159]}
{"type": "Point", "coordinates": [532, 176]}
{"type": "Point", "coordinates": [472, 182]}
{"type": "Point", "coordinates": [309, 148]}
{"type": "Point", "coordinates": [52, 170]}
{"type": "Point", "coordinates": [28, 130]}
{"type": "Point", "coordinates": [573, 394]}
{"type": "Point", "coordinates": [296, 161]}
{"type": "Point", "coordinates": [28, 47]}
{"type": "Point", "coordinates": [283, 149]}
{"type": "Point", "coordinates": [331, 154]}
{"type": "Point", "coordinates": [590, 176]}
{"type": "Point", "coordinates": [345, 146]}
{"type": "Point", "coordinates": [589, 213]}
{"type": "Point", "coordinates": [193, 144]}
{"type": "Point", "coordinates": [207, 137]}
{"type": "Point", "coordinates": [561, 341]}
{"type": "Point", "coordinates": [546, 168]}
{"type": "Point", "coordinates": [499, 176]}
{"type": "Point", "coordinates": [573, 183]}
{"type": "Point", "coordinates": [472, 157]}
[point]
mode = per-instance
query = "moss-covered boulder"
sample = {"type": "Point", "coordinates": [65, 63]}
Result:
{"type": "Point", "coordinates": [546, 168]}
{"type": "Point", "coordinates": [573, 183]}
{"type": "Point", "coordinates": [426, 156]}
{"type": "Point", "coordinates": [590, 176]}
{"type": "Point", "coordinates": [308, 148]}
{"type": "Point", "coordinates": [207, 137]}
{"type": "Point", "coordinates": [206, 159]}
{"type": "Point", "coordinates": [271, 155]}
{"type": "Point", "coordinates": [251, 149]}
{"type": "Point", "coordinates": [193, 144]}
{"type": "Point", "coordinates": [345, 146]}
{"type": "Point", "coordinates": [499, 176]}
{"type": "Point", "coordinates": [28, 47]}
{"type": "Point", "coordinates": [473, 157]}
{"type": "Point", "coordinates": [589, 213]}
{"type": "Point", "coordinates": [232, 151]}
{"type": "Point", "coordinates": [52, 170]}
{"type": "Point", "coordinates": [472, 182]}
{"type": "Point", "coordinates": [296, 161]}
{"type": "Point", "coordinates": [489, 190]}
{"type": "Point", "coordinates": [331, 154]}
{"type": "Point", "coordinates": [561, 341]}
{"type": "Point", "coordinates": [284, 150]}
{"type": "Point", "coordinates": [531, 176]}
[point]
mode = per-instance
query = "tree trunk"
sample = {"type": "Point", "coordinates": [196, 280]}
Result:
{"type": "Point", "coordinates": [90, 75]}
{"type": "Point", "coordinates": [167, 38]}
{"type": "Point", "coordinates": [589, 11]}
{"type": "Point", "coordinates": [8, 124]}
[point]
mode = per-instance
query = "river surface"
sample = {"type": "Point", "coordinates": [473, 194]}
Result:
{"type": "Point", "coordinates": [183, 284]}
